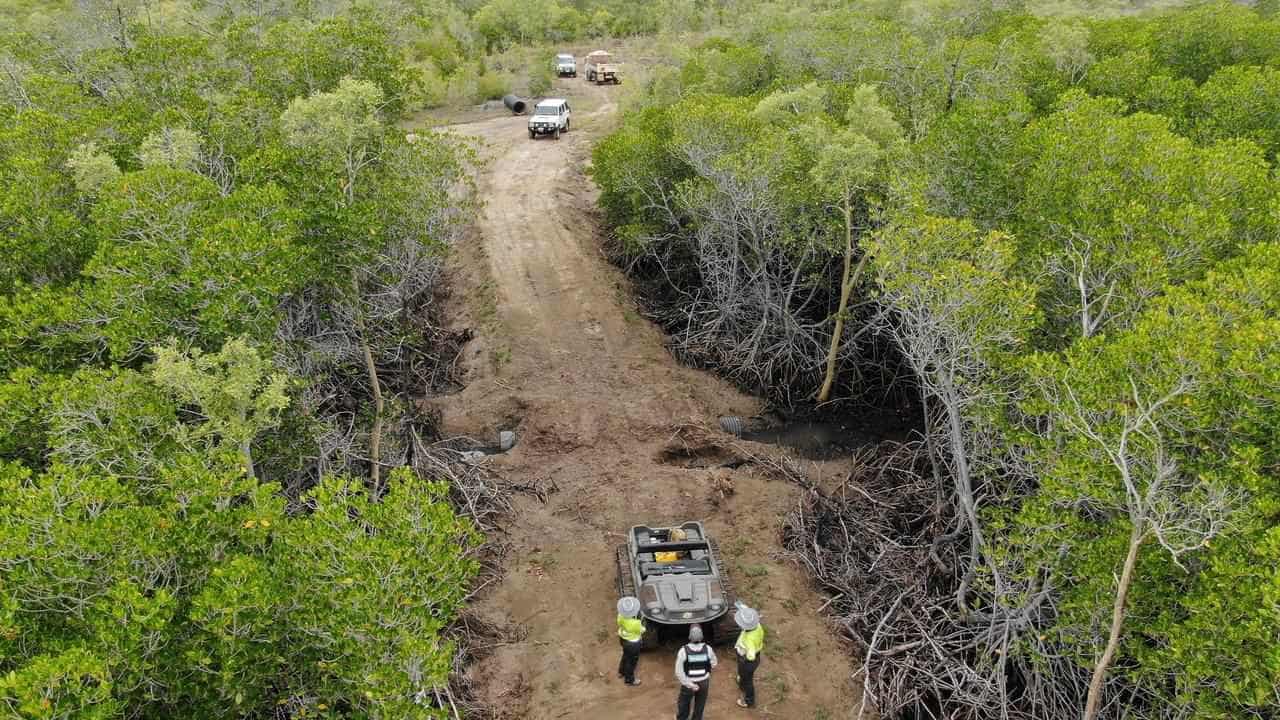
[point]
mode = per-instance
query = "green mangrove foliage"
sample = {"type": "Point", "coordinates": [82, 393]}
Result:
{"type": "Point", "coordinates": [196, 207]}
{"type": "Point", "coordinates": [1061, 234]}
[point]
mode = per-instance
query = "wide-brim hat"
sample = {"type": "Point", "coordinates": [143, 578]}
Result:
{"type": "Point", "coordinates": [628, 607]}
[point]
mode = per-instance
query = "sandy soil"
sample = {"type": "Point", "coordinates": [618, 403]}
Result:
{"type": "Point", "coordinates": [563, 357]}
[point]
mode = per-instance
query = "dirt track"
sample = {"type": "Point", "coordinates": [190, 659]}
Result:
{"type": "Point", "coordinates": [563, 356]}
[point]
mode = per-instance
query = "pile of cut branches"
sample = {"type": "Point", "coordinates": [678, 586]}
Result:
{"type": "Point", "coordinates": [474, 639]}
{"type": "Point", "coordinates": [887, 547]}
{"type": "Point", "coordinates": [484, 495]}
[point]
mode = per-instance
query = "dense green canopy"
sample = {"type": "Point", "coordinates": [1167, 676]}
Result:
{"type": "Point", "coordinates": [184, 199]}
{"type": "Point", "coordinates": [1075, 257]}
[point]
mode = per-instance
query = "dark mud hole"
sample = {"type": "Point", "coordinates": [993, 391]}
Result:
{"type": "Point", "coordinates": [827, 438]}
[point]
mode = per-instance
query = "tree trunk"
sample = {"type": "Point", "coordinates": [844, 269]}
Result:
{"type": "Point", "coordinates": [952, 74]}
{"type": "Point", "coordinates": [248, 459]}
{"type": "Point", "coordinates": [963, 479]}
{"type": "Point", "coordinates": [848, 279]}
{"type": "Point", "coordinates": [375, 435]}
{"type": "Point", "coordinates": [1086, 321]}
{"type": "Point", "coordinates": [1117, 621]}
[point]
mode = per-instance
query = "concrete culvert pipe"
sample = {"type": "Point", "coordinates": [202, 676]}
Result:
{"type": "Point", "coordinates": [514, 104]}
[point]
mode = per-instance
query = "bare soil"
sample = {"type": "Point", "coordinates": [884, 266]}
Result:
{"type": "Point", "coordinates": [624, 435]}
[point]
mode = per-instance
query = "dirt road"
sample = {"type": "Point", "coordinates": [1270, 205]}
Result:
{"type": "Point", "coordinates": [564, 357]}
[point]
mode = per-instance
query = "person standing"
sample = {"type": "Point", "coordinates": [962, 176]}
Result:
{"type": "Point", "coordinates": [749, 646]}
{"type": "Point", "coordinates": [630, 634]}
{"type": "Point", "coordinates": [694, 664]}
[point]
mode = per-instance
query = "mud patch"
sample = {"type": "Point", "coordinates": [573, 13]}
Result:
{"type": "Point", "coordinates": [819, 438]}
{"type": "Point", "coordinates": [693, 458]}
{"type": "Point", "coordinates": [555, 439]}
{"type": "Point", "coordinates": [459, 422]}
{"type": "Point", "coordinates": [695, 447]}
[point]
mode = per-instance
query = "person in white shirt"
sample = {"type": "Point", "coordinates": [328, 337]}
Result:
{"type": "Point", "coordinates": [694, 664]}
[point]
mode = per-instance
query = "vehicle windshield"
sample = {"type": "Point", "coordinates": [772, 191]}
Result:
{"type": "Point", "coordinates": [547, 110]}
{"type": "Point", "coordinates": [565, 58]}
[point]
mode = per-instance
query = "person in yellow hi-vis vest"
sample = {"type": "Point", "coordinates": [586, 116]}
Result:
{"type": "Point", "coordinates": [749, 646]}
{"type": "Point", "coordinates": [630, 632]}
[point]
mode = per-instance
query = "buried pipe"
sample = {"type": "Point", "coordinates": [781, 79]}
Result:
{"type": "Point", "coordinates": [732, 424]}
{"type": "Point", "coordinates": [514, 104]}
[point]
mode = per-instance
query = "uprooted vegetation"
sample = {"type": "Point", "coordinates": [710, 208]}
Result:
{"type": "Point", "coordinates": [1053, 233]}
{"type": "Point", "coordinates": [890, 551]}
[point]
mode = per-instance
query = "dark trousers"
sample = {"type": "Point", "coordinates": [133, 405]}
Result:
{"type": "Point", "coordinates": [697, 699]}
{"type": "Point", "coordinates": [746, 679]}
{"type": "Point", "coordinates": [630, 656]}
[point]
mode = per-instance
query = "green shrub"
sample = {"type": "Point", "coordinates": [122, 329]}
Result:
{"type": "Point", "coordinates": [433, 88]}
{"type": "Point", "coordinates": [492, 86]}
{"type": "Point", "coordinates": [460, 88]}
{"type": "Point", "coordinates": [540, 83]}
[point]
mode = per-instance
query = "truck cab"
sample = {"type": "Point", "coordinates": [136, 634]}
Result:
{"type": "Point", "coordinates": [549, 117]}
{"type": "Point", "coordinates": [566, 65]}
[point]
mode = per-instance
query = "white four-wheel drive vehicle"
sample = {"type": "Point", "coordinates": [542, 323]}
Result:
{"type": "Point", "coordinates": [550, 117]}
{"type": "Point", "coordinates": [566, 65]}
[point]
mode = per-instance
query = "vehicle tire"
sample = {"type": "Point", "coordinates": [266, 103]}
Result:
{"type": "Point", "coordinates": [650, 640]}
{"type": "Point", "coordinates": [566, 126]}
{"type": "Point", "coordinates": [533, 135]}
{"type": "Point", "coordinates": [591, 77]}
{"type": "Point", "coordinates": [724, 630]}
{"type": "Point", "coordinates": [555, 134]}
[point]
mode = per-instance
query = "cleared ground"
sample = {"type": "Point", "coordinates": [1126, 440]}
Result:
{"type": "Point", "coordinates": [563, 356]}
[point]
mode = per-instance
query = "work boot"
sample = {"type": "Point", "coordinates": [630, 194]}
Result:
{"type": "Point", "coordinates": [634, 683]}
{"type": "Point", "coordinates": [743, 703]}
